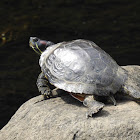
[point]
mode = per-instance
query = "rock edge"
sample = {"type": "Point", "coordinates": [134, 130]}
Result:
{"type": "Point", "coordinates": [63, 118]}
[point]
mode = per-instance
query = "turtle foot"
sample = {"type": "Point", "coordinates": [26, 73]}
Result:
{"type": "Point", "coordinates": [95, 109]}
{"type": "Point", "coordinates": [50, 93]}
{"type": "Point", "coordinates": [93, 105]}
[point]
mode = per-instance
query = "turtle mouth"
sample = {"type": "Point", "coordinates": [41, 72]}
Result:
{"type": "Point", "coordinates": [33, 43]}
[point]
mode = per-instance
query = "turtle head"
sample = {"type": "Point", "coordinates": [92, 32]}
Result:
{"type": "Point", "coordinates": [39, 45]}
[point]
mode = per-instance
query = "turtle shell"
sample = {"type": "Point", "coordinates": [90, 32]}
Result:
{"type": "Point", "coordinates": [80, 66]}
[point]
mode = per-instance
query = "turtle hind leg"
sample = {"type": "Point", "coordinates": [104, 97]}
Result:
{"type": "Point", "coordinates": [93, 105]}
{"type": "Point", "coordinates": [44, 87]}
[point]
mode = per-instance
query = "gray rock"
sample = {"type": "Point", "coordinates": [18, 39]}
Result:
{"type": "Point", "coordinates": [63, 118]}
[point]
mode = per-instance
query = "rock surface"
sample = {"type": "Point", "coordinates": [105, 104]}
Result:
{"type": "Point", "coordinates": [63, 118]}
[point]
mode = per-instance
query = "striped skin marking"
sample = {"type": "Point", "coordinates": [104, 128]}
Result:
{"type": "Point", "coordinates": [43, 42]}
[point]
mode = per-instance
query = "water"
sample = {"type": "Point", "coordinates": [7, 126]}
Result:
{"type": "Point", "coordinates": [113, 25]}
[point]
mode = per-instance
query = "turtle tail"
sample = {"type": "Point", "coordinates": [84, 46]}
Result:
{"type": "Point", "coordinates": [132, 86]}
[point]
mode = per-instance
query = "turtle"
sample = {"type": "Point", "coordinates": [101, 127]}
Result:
{"type": "Point", "coordinates": [82, 69]}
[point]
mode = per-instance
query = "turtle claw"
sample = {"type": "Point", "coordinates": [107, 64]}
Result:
{"type": "Point", "coordinates": [113, 99]}
{"type": "Point", "coordinates": [50, 93]}
{"type": "Point", "coordinates": [93, 106]}
{"type": "Point", "coordinates": [45, 97]}
{"type": "Point", "coordinates": [46, 94]}
{"type": "Point", "coordinates": [93, 110]}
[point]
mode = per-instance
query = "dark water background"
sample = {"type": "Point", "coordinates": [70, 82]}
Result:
{"type": "Point", "coordinates": [112, 24]}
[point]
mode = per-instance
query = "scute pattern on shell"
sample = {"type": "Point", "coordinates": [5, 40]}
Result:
{"type": "Point", "coordinates": [80, 66]}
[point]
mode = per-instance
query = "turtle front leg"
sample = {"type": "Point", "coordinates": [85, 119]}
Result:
{"type": "Point", "coordinates": [93, 105]}
{"type": "Point", "coordinates": [44, 87]}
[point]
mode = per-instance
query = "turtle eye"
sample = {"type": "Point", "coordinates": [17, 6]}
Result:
{"type": "Point", "coordinates": [35, 39]}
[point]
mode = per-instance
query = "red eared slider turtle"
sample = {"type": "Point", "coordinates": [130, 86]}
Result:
{"type": "Point", "coordinates": [83, 69]}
